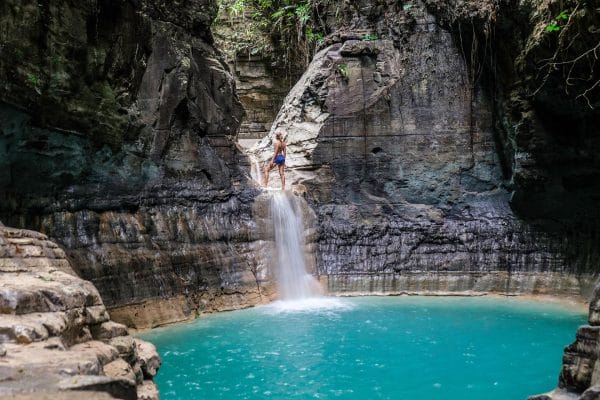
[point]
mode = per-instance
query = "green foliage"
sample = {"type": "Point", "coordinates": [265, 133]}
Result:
{"type": "Point", "coordinates": [303, 13]}
{"type": "Point", "coordinates": [289, 24]}
{"type": "Point", "coordinates": [237, 7]}
{"type": "Point", "coordinates": [555, 26]}
{"type": "Point", "coordinates": [34, 81]}
{"type": "Point", "coordinates": [563, 16]}
{"type": "Point", "coordinates": [370, 36]}
{"type": "Point", "coordinates": [343, 70]}
{"type": "Point", "coordinates": [314, 37]}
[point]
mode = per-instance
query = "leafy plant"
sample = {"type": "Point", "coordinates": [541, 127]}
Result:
{"type": "Point", "coordinates": [343, 70]}
{"type": "Point", "coordinates": [314, 37]}
{"type": "Point", "coordinates": [237, 7]}
{"type": "Point", "coordinates": [34, 81]}
{"type": "Point", "coordinates": [291, 28]}
{"type": "Point", "coordinates": [554, 25]}
{"type": "Point", "coordinates": [370, 36]}
{"type": "Point", "coordinates": [563, 16]}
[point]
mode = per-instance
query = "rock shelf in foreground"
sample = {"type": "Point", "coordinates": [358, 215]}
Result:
{"type": "Point", "coordinates": [55, 333]}
{"type": "Point", "coordinates": [580, 373]}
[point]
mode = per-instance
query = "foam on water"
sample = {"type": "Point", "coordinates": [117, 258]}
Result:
{"type": "Point", "coordinates": [311, 304]}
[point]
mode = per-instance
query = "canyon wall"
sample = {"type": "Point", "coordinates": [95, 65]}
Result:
{"type": "Point", "coordinates": [397, 137]}
{"type": "Point", "coordinates": [262, 79]}
{"type": "Point", "coordinates": [118, 123]}
{"type": "Point", "coordinates": [413, 135]}
{"type": "Point", "coordinates": [578, 379]}
{"type": "Point", "coordinates": [55, 333]}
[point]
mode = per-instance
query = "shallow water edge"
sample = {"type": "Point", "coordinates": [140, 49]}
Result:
{"type": "Point", "coordinates": [571, 303]}
{"type": "Point", "coordinates": [486, 347]}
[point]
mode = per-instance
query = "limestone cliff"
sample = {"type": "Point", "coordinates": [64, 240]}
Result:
{"type": "Point", "coordinates": [397, 135]}
{"type": "Point", "coordinates": [579, 379]}
{"type": "Point", "coordinates": [55, 333]}
{"type": "Point", "coordinates": [117, 139]}
{"type": "Point", "coordinates": [262, 78]}
{"type": "Point", "coordinates": [428, 168]}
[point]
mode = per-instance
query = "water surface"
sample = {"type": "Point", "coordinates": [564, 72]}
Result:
{"type": "Point", "coordinates": [369, 348]}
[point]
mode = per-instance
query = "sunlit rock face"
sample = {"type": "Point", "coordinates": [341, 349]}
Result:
{"type": "Point", "coordinates": [396, 147]}
{"type": "Point", "coordinates": [117, 139]}
{"type": "Point", "coordinates": [55, 332]}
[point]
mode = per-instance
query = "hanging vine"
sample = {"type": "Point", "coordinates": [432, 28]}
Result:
{"type": "Point", "coordinates": [573, 39]}
{"type": "Point", "coordinates": [290, 28]}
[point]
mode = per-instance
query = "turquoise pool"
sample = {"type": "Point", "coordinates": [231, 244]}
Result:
{"type": "Point", "coordinates": [369, 348]}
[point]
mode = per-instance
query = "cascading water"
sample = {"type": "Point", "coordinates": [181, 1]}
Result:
{"type": "Point", "coordinates": [255, 171]}
{"type": "Point", "coordinates": [289, 263]}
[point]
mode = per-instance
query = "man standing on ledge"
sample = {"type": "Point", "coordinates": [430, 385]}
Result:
{"type": "Point", "coordinates": [278, 160]}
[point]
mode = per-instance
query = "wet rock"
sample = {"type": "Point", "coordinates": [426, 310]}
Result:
{"type": "Point", "coordinates": [126, 347]}
{"type": "Point", "coordinates": [594, 312]}
{"type": "Point", "coordinates": [579, 360]}
{"type": "Point", "coordinates": [262, 78]}
{"type": "Point", "coordinates": [592, 393]}
{"type": "Point", "coordinates": [148, 193]}
{"type": "Point", "coordinates": [34, 359]}
{"type": "Point", "coordinates": [399, 159]}
{"type": "Point", "coordinates": [556, 394]}
{"type": "Point", "coordinates": [54, 343]}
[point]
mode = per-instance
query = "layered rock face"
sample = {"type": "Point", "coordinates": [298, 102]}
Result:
{"type": "Point", "coordinates": [396, 144]}
{"type": "Point", "coordinates": [55, 332]}
{"type": "Point", "coordinates": [117, 139]}
{"type": "Point", "coordinates": [579, 379]}
{"type": "Point", "coordinates": [262, 80]}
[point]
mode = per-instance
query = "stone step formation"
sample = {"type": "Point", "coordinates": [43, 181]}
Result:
{"type": "Point", "coordinates": [56, 335]}
{"type": "Point", "coordinates": [579, 378]}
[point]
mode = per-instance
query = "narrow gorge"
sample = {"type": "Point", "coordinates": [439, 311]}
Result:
{"type": "Point", "coordinates": [435, 147]}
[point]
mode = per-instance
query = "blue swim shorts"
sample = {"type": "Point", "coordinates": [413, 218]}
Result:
{"type": "Point", "coordinates": [280, 159]}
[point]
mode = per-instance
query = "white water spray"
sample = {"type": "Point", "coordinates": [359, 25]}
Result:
{"type": "Point", "coordinates": [295, 283]}
{"type": "Point", "coordinates": [255, 171]}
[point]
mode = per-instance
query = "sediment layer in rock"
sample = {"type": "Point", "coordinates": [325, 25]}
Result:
{"type": "Point", "coordinates": [55, 333]}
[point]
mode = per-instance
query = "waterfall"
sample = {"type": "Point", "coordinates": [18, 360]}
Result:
{"type": "Point", "coordinates": [289, 261]}
{"type": "Point", "coordinates": [255, 171]}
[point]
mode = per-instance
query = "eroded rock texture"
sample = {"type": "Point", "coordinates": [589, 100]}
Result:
{"type": "Point", "coordinates": [55, 333]}
{"type": "Point", "coordinates": [117, 129]}
{"type": "Point", "coordinates": [262, 79]}
{"type": "Point", "coordinates": [394, 134]}
{"type": "Point", "coordinates": [580, 373]}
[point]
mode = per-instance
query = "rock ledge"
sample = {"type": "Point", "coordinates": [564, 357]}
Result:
{"type": "Point", "coordinates": [55, 333]}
